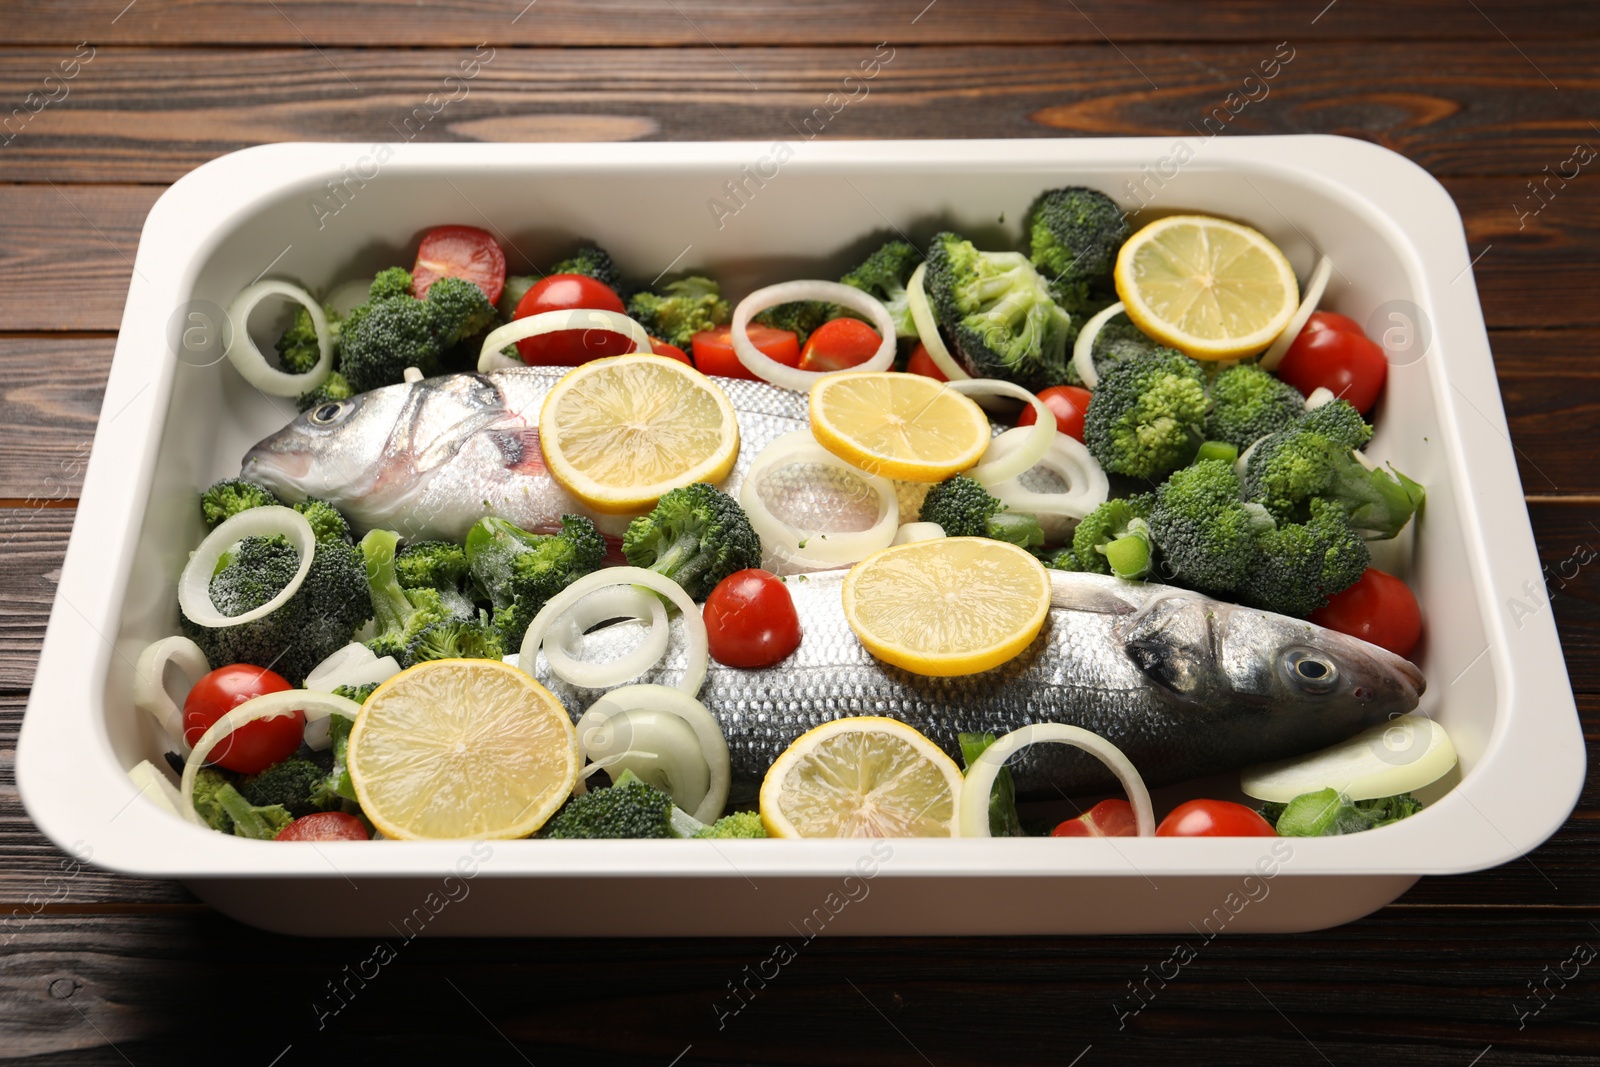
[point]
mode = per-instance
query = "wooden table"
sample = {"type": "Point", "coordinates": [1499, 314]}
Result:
{"type": "Point", "coordinates": [1488, 95]}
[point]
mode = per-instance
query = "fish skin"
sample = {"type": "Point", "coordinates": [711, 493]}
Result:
{"type": "Point", "coordinates": [430, 458]}
{"type": "Point", "coordinates": [1183, 684]}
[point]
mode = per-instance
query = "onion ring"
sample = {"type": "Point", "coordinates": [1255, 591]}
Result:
{"type": "Point", "coordinates": [1083, 347]}
{"type": "Point", "coordinates": [491, 358]}
{"type": "Point", "coordinates": [699, 646]}
{"type": "Point", "coordinates": [1314, 289]}
{"type": "Point", "coordinates": [814, 548]}
{"type": "Point", "coordinates": [1002, 467]}
{"type": "Point", "coordinates": [609, 602]}
{"type": "Point", "coordinates": [194, 585]}
{"type": "Point", "coordinates": [354, 664]}
{"type": "Point", "coordinates": [249, 361]}
{"type": "Point", "coordinates": [267, 706]}
{"type": "Point", "coordinates": [928, 328]}
{"type": "Point", "coordinates": [981, 775]}
{"type": "Point", "coordinates": [1068, 460]}
{"type": "Point", "coordinates": [150, 683]}
{"type": "Point", "coordinates": [769, 369]}
{"type": "Point", "coordinates": [615, 706]}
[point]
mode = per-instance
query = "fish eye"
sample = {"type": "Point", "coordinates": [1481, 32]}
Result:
{"type": "Point", "coordinates": [329, 413]}
{"type": "Point", "coordinates": [1310, 670]}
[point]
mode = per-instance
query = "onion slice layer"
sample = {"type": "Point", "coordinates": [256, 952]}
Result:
{"type": "Point", "coordinates": [194, 585]}
{"type": "Point", "coordinates": [249, 361]}
{"type": "Point", "coordinates": [815, 548]}
{"type": "Point", "coordinates": [928, 328]}
{"type": "Point", "coordinates": [150, 692]}
{"type": "Point", "coordinates": [1314, 288]}
{"type": "Point", "coordinates": [491, 358]}
{"type": "Point", "coordinates": [980, 778]}
{"type": "Point", "coordinates": [769, 369]}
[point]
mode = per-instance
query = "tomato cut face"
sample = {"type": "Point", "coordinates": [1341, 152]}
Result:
{"type": "Point", "coordinates": [459, 252]}
{"type": "Point", "coordinates": [1109, 818]}
{"type": "Point", "coordinates": [324, 826]}
{"type": "Point", "coordinates": [714, 354]}
{"type": "Point", "coordinates": [569, 348]}
{"type": "Point", "coordinates": [255, 746]}
{"type": "Point", "coordinates": [1379, 608]}
{"type": "Point", "coordinates": [750, 620]}
{"type": "Point", "coordinates": [840, 344]}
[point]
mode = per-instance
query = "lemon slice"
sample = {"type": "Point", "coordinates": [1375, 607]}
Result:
{"type": "Point", "coordinates": [862, 777]}
{"type": "Point", "coordinates": [618, 433]}
{"type": "Point", "coordinates": [901, 426]}
{"type": "Point", "coordinates": [954, 605]}
{"type": "Point", "coordinates": [458, 748]}
{"type": "Point", "coordinates": [1211, 288]}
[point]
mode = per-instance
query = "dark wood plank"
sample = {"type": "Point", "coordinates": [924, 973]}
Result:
{"type": "Point", "coordinates": [1389, 989]}
{"type": "Point", "coordinates": [728, 22]}
{"type": "Point", "coordinates": [35, 541]}
{"type": "Point", "coordinates": [51, 391]}
{"type": "Point", "coordinates": [149, 115]}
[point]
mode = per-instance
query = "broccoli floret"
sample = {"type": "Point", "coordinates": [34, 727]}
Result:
{"type": "Point", "coordinates": [326, 522]}
{"type": "Point", "coordinates": [459, 310]}
{"type": "Point", "coordinates": [1329, 812]}
{"type": "Point", "coordinates": [697, 536]}
{"type": "Point", "coordinates": [1147, 417]}
{"type": "Point", "coordinates": [385, 337]}
{"type": "Point", "coordinates": [294, 784]}
{"type": "Point", "coordinates": [455, 639]}
{"type": "Point", "coordinates": [1339, 422]}
{"type": "Point", "coordinates": [591, 262]}
{"type": "Point", "coordinates": [516, 287]}
{"type": "Point", "coordinates": [799, 317]}
{"type": "Point", "coordinates": [1064, 558]}
{"type": "Point", "coordinates": [1297, 567]}
{"type": "Point", "coordinates": [683, 309]}
{"type": "Point", "coordinates": [998, 312]}
{"type": "Point", "coordinates": [1114, 538]}
{"type": "Point", "coordinates": [1206, 533]}
{"type": "Point", "coordinates": [630, 808]}
{"type": "Point", "coordinates": [330, 605]}
{"type": "Point", "coordinates": [388, 284]}
{"type": "Point", "coordinates": [1073, 236]}
{"type": "Point", "coordinates": [520, 571]}
{"type": "Point", "coordinates": [963, 508]}
{"type": "Point", "coordinates": [884, 275]}
{"type": "Point", "coordinates": [358, 693]}
{"type": "Point", "coordinates": [335, 791]}
{"type": "Point", "coordinates": [1295, 467]}
{"type": "Point", "coordinates": [440, 565]}
{"type": "Point", "coordinates": [334, 387]}
{"type": "Point", "coordinates": [222, 807]}
{"type": "Point", "coordinates": [739, 824]}
{"type": "Point", "coordinates": [1247, 404]}
{"type": "Point", "coordinates": [225, 499]}
{"type": "Point", "coordinates": [298, 351]}
{"type": "Point", "coordinates": [401, 614]}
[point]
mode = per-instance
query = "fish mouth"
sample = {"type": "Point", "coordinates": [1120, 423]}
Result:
{"type": "Point", "coordinates": [1411, 673]}
{"type": "Point", "coordinates": [272, 463]}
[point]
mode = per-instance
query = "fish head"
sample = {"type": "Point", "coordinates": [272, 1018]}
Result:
{"type": "Point", "coordinates": [331, 451]}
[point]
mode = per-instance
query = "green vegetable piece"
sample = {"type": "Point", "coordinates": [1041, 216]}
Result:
{"type": "Point", "coordinates": [739, 824]}
{"type": "Point", "coordinates": [683, 309]}
{"type": "Point", "coordinates": [455, 639]}
{"type": "Point", "coordinates": [629, 809]}
{"type": "Point", "coordinates": [1247, 404]}
{"type": "Point", "coordinates": [884, 274]}
{"type": "Point", "coordinates": [1003, 820]}
{"type": "Point", "coordinates": [326, 522]}
{"type": "Point", "coordinates": [1147, 416]}
{"type": "Point", "coordinates": [591, 262]}
{"type": "Point", "coordinates": [334, 388]}
{"type": "Point", "coordinates": [963, 508]}
{"type": "Point", "coordinates": [520, 571]}
{"type": "Point", "coordinates": [400, 614]}
{"type": "Point", "coordinates": [298, 351]}
{"type": "Point", "coordinates": [696, 535]}
{"type": "Point", "coordinates": [1221, 450]}
{"type": "Point", "coordinates": [1129, 555]}
{"type": "Point", "coordinates": [1115, 519]}
{"type": "Point", "coordinates": [222, 807]}
{"type": "Point", "coordinates": [227, 498]}
{"type": "Point", "coordinates": [1074, 234]}
{"type": "Point", "coordinates": [1328, 812]}
{"type": "Point", "coordinates": [799, 317]}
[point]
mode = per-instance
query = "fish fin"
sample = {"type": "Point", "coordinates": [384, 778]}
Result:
{"type": "Point", "coordinates": [1076, 591]}
{"type": "Point", "coordinates": [520, 448]}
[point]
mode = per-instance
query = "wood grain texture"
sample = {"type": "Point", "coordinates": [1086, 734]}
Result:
{"type": "Point", "coordinates": [149, 115]}
{"type": "Point", "coordinates": [50, 392]}
{"type": "Point", "coordinates": [731, 22]}
{"type": "Point", "coordinates": [77, 240]}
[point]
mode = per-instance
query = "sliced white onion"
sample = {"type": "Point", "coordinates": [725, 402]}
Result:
{"type": "Point", "coordinates": [918, 531]}
{"type": "Point", "coordinates": [980, 778]}
{"type": "Point", "coordinates": [354, 664]}
{"type": "Point", "coordinates": [611, 602]}
{"type": "Point", "coordinates": [694, 626]}
{"type": "Point", "coordinates": [1321, 396]}
{"type": "Point", "coordinates": [491, 358]}
{"type": "Point", "coordinates": [148, 779]}
{"type": "Point", "coordinates": [194, 585]}
{"type": "Point", "coordinates": [995, 468]}
{"type": "Point", "coordinates": [150, 682]}
{"type": "Point", "coordinates": [1068, 459]}
{"type": "Point", "coordinates": [928, 328]}
{"type": "Point", "coordinates": [769, 369]}
{"type": "Point", "coordinates": [249, 361]}
{"type": "Point", "coordinates": [1302, 315]}
{"type": "Point", "coordinates": [815, 548]}
{"type": "Point", "coordinates": [1083, 347]}
{"type": "Point", "coordinates": [621, 721]}
{"type": "Point", "coordinates": [1392, 757]}
{"type": "Point", "coordinates": [268, 706]}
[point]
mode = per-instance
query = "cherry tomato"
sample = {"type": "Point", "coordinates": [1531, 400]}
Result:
{"type": "Point", "coordinates": [255, 746]}
{"type": "Point", "coordinates": [714, 354]}
{"type": "Point", "coordinates": [923, 364]}
{"type": "Point", "coordinates": [1214, 818]}
{"type": "Point", "coordinates": [1332, 320]}
{"type": "Point", "coordinates": [1068, 402]}
{"type": "Point", "coordinates": [1348, 364]}
{"type": "Point", "coordinates": [839, 344]}
{"type": "Point", "coordinates": [661, 348]}
{"type": "Point", "coordinates": [324, 826]}
{"type": "Point", "coordinates": [568, 348]}
{"type": "Point", "coordinates": [1109, 818]}
{"type": "Point", "coordinates": [1379, 608]}
{"type": "Point", "coordinates": [459, 252]}
{"type": "Point", "coordinates": [750, 620]}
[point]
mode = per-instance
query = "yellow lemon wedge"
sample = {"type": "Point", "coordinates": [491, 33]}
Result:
{"type": "Point", "coordinates": [949, 606]}
{"type": "Point", "coordinates": [862, 777]}
{"type": "Point", "coordinates": [900, 426]}
{"type": "Point", "coordinates": [462, 748]}
{"type": "Point", "coordinates": [617, 433]}
{"type": "Point", "coordinates": [1211, 288]}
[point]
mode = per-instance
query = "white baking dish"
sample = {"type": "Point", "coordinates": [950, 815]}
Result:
{"type": "Point", "coordinates": [1497, 679]}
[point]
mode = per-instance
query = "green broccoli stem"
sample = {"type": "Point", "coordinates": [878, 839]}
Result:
{"type": "Point", "coordinates": [390, 605]}
{"type": "Point", "coordinates": [1129, 555]}
{"type": "Point", "coordinates": [1217, 450]}
{"type": "Point", "coordinates": [1020, 529]}
{"type": "Point", "coordinates": [247, 819]}
{"type": "Point", "coordinates": [683, 561]}
{"type": "Point", "coordinates": [1003, 818]}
